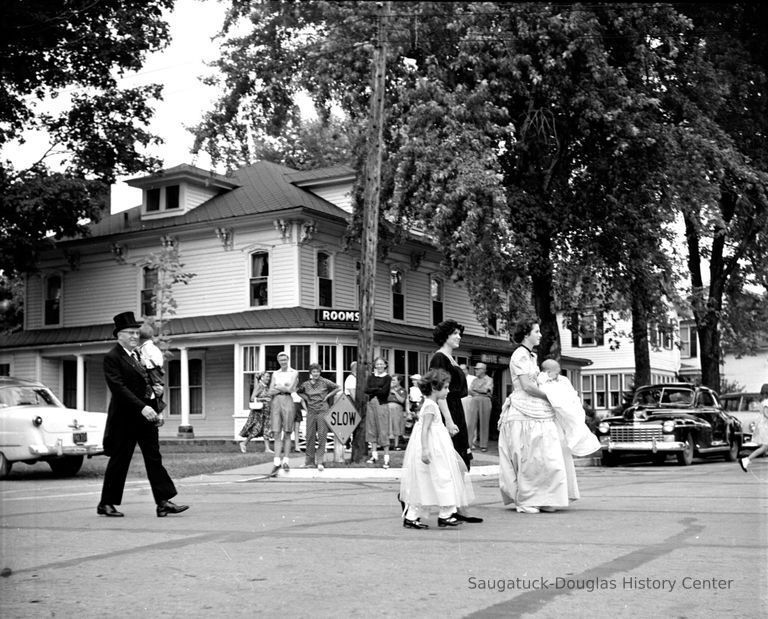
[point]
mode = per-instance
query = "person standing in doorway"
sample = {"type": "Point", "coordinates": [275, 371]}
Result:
{"type": "Point", "coordinates": [283, 384]}
{"type": "Point", "coordinates": [132, 418]}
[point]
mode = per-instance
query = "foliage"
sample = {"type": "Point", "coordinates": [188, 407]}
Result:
{"type": "Point", "coordinates": [716, 104]}
{"type": "Point", "coordinates": [70, 54]}
{"type": "Point", "coordinates": [553, 148]}
{"type": "Point", "coordinates": [11, 304]}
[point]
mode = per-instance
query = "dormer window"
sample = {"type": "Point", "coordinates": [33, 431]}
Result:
{"type": "Point", "coordinates": [171, 197]}
{"type": "Point", "coordinates": [153, 200]}
{"type": "Point", "coordinates": [177, 190]}
{"type": "Point", "coordinates": [162, 199]}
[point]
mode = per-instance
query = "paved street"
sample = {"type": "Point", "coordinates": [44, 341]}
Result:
{"type": "Point", "coordinates": [643, 541]}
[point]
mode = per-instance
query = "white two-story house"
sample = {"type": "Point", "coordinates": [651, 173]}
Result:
{"type": "Point", "coordinates": [271, 274]}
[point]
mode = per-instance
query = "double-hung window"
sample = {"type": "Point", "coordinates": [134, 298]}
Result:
{"type": "Point", "coordinates": [259, 281]}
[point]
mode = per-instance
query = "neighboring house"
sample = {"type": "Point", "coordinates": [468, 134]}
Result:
{"type": "Point", "coordinates": [605, 339]}
{"type": "Point", "coordinates": [271, 275]}
{"type": "Point", "coordinates": [750, 372]}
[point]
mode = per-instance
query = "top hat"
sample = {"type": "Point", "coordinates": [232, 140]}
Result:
{"type": "Point", "coordinates": [125, 321]}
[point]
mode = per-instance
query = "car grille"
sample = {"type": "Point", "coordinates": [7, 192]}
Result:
{"type": "Point", "coordinates": [634, 434]}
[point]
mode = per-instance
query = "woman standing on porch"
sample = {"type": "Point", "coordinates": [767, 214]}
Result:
{"type": "Point", "coordinates": [536, 470]}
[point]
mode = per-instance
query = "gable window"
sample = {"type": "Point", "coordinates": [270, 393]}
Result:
{"type": "Point", "coordinates": [149, 281]}
{"type": "Point", "coordinates": [586, 329]}
{"type": "Point", "coordinates": [153, 200]}
{"type": "Point", "coordinates": [259, 284]}
{"type": "Point", "coordinates": [398, 298]}
{"type": "Point", "coordinates": [171, 197]}
{"type": "Point", "coordinates": [324, 280]}
{"type": "Point", "coordinates": [436, 291]}
{"type": "Point", "coordinates": [53, 300]}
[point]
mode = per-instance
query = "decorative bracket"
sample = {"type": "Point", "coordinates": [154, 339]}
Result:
{"type": "Point", "coordinates": [283, 227]}
{"type": "Point", "coordinates": [226, 236]}
{"type": "Point", "coordinates": [118, 251]}
{"type": "Point", "coordinates": [308, 229]}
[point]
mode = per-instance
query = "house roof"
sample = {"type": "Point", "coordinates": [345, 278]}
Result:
{"type": "Point", "coordinates": [321, 175]}
{"type": "Point", "coordinates": [249, 320]}
{"type": "Point", "coordinates": [264, 187]}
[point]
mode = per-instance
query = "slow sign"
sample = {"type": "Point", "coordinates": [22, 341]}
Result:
{"type": "Point", "coordinates": [343, 418]}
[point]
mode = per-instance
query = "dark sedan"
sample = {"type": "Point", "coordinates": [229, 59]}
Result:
{"type": "Point", "coordinates": [673, 418]}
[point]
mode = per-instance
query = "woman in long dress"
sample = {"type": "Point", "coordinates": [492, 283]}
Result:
{"type": "Point", "coordinates": [536, 471]}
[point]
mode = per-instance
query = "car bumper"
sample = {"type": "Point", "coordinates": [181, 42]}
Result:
{"type": "Point", "coordinates": [40, 451]}
{"type": "Point", "coordinates": [652, 446]}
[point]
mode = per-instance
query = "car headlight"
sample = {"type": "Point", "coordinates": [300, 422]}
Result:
{"type": "Point", "coordinates": [37, 421]}
{"type": "Point", "coordinates": [603, 428]}
{"type": "Point", "coordinates": [668, 426]}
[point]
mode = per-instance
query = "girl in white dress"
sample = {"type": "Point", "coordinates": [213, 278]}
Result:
{"type": "Point", "coordinates": [434, 476]}
{"type": "Point", "coordinates": [760, 435]}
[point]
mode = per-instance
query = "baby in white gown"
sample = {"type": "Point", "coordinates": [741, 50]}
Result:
{"type": "Point", "coordinates": [568, 409]}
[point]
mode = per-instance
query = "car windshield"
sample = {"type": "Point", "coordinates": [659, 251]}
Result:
{"type": "Point", "coordinates": [664, 396]}
{"type": "Point", "coordinates": [26, 396]}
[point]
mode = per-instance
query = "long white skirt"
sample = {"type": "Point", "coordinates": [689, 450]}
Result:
{"type": "Point", "coordinates": [441, 483]}
{"type": "Point", "coordinates": [535, 466]}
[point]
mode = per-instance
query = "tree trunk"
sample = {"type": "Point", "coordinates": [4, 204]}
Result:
{"type": "Point", "coordinates": [640, 340]}
{"type": "Point", "coordinates": [544, 304]}
{"type": "Point", "coordinates": [709, 347]}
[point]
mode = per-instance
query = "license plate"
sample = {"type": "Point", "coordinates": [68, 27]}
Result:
{"type": "Point", "coordinates": [80, 437]}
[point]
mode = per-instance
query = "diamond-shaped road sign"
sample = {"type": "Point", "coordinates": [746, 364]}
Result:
{"type": "Point", "coordinates": [343, 418]}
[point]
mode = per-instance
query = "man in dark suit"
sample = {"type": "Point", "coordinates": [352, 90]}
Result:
{"type": "Point", "coordinates": [132, 418]}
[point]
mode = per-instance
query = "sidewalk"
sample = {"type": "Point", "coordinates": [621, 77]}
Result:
{"type": "Point", "coordinates": [484, 465]}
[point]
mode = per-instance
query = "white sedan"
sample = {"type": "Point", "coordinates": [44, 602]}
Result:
{"type": "Point", "coordinates": [35, 426]}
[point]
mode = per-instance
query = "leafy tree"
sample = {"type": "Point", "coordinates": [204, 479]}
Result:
{"type": "Point", "coordinates": [71, 53]}
{"type": "Point", "coordinates": [535, 143]}
{"type": "Point", "coordinates": [717, 106]}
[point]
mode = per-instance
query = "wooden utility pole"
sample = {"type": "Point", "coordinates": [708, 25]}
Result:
{"type": "Point", "coordinates": [370, 234]}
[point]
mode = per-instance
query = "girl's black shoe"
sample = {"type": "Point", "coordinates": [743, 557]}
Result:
{"type": "Point", "coordinates": [414, 524]}
{"type": "Point", "coordinates": [451, 521]}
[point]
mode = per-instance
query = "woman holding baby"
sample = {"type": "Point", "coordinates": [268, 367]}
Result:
{"type": "Point", "coordinates": [536, 471]}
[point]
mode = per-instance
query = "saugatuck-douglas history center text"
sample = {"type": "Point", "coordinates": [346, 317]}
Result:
{"type": "Point", "coordinates": [598, 584]}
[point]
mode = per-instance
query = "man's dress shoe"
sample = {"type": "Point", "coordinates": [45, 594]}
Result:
{"type": "Point", "coordinates": [465, 518]}
{"type": "Point", "coordinates": [167, 507]}
{"type": "Point", "coordinates": [108, 510]}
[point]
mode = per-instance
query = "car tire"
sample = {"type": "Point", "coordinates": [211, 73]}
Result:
{"type": "Point", "coordinates": [67, 466]}
{"type": "Point", "coordinates": [5, 466]}
{"type": "Point", "coordinates": [685, 457]}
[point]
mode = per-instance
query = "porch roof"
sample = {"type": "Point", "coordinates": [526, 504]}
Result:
{"type": "Point", "coordinates": [249, 320]}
